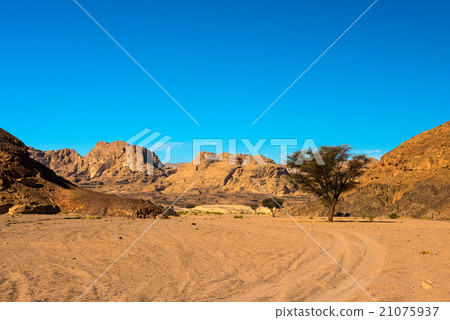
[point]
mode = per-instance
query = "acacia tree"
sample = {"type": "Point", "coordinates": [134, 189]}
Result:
{"type": "Point", "coordinates": [254, 207]}
{"type": "Point", "coordinates": [273, 204]}
{"type": "Point", "coordinates": [327, 179]}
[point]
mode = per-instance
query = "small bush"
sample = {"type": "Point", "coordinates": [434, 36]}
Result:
{"type": "Point", "coordinates": [190, 206]}
{"type": "Point", "coordinates": [239, 216]}
{"type": "Point", "coordinates": [394, 215]}
{"type": "Point", "coordinates": [371, 217]}
{"type": "Point", "coordinates": [363, 215]}
{"type": "Point", "coordinates": [311, 218]}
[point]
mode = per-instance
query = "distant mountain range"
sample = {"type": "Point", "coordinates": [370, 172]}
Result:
{"type": "Point", "coordinates": [105, 168]}
{"type": "Point", "coordinates": [411, 180]}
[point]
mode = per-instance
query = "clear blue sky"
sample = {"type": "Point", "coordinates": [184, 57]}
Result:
{"type": "Point", "coordinates": [64, 83]}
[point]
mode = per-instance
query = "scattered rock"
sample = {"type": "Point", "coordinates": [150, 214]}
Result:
{"type": "Point", "coordinates": [427, 284]}
{"type": "Point", "coordinates": [425, 252]}
{"type": "Point", "coordinates": [153, 212]}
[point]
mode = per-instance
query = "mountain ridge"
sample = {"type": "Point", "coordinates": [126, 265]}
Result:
{"type": "Point", "coordinates": [29, 187]}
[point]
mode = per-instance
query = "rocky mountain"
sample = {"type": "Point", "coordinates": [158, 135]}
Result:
{"type": "Point", "coordinates": [27, 186]}
{"type": "Point", "coordinates": [106, 168]}
{"type": "Point", "coordinates": [230, 174]}
{"type": "Point", "coordinates": [411, 180]}
{"type": "Point", "coordinates": [115, 167]}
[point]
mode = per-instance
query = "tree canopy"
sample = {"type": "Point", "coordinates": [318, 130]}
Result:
{"type": "Point", "coordinates": [273, 204]}
{"type": "Point", "coordinates": [327, 179]}
{"type": "Point", "coordinates": [254, 207]}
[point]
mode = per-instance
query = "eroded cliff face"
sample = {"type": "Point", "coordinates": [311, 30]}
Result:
{"type": "Point", "coordinates": [115, 167]}
{"type": "Point", "coordinates": [29, 187]}
{"type": "Point", "coordinates": [229, 173]}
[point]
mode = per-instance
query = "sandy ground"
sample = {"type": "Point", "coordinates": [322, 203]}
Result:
{"type": "Point", "coordinates": [220, 258]}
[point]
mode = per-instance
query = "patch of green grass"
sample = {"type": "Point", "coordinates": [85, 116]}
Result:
{"type": "Point", "coordinates": [310, 218]}
{"type": "Point", "coordinates": [237, 216]}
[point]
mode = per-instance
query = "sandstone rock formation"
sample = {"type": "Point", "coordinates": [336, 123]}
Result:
{"type": "Point", "coordinates": [115, 167]}
{"type": "Point", "coordinates": [411, 180]}
{"type": "Point", "coordinates": [230, 174]}
{"type": "Point", "coordinates": [27, 186]}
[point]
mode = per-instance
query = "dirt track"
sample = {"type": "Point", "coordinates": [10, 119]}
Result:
{"type": "Point", "coordinates": [258, 258]}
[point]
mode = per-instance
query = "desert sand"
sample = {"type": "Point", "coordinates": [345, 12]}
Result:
{"type": "Point", "coordinates": [220, 258]}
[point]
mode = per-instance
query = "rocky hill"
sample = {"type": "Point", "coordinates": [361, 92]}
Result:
{"type": "Point", "coordinates": [109, 167]}
{"type": "Point", "coordinates": [27, 186]}
{"type": "Point", "coordinates": [219, 173]}
{"type": "Point", "coordinates": [411, 180]}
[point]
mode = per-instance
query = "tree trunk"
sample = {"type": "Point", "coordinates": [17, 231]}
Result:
{"type": "Point", "coordinates": [332, 209]}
